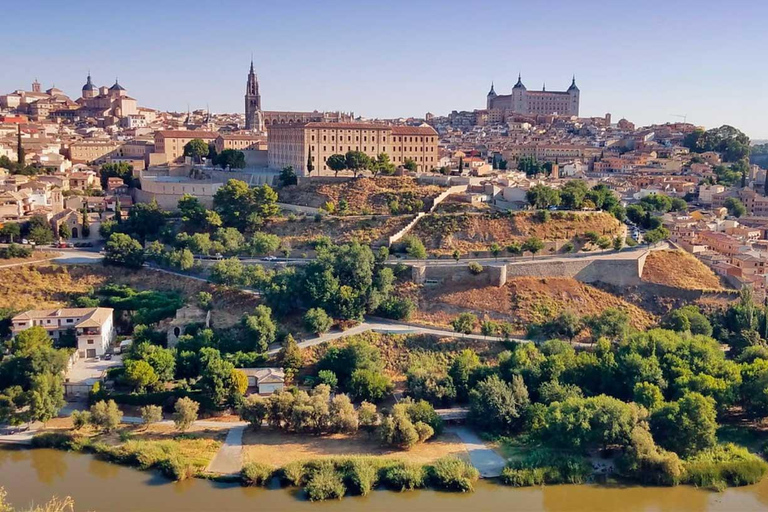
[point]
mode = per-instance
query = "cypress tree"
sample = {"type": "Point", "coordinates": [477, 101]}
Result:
{"type": "Point", "coordinates": [310, 167]}
{"type": "Point", "coordinates": [20, 148]}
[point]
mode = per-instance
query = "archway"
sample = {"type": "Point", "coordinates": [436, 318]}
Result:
{"type": "Point", "coordinates": [74, 232]}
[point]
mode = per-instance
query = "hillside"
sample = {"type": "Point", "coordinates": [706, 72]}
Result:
{"type": "Point", "coordinates": [466, 232]}
{"type": "Point", "coordinates": [522, 301]}
{"type": "Point", "coordinates": [47, 286]}
{"type": "Point", "coordinates": [364, 195]}
{"type": "Point", "coordinates": [679, 269]}
{"type": "Point", "coordinates": [370, 231]}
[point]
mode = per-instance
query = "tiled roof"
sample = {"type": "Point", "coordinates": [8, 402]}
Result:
{"type": "Point", "coordinates": [413, 130]}
{"type": "Point", "coordinates": [188, 134]}
{"type": "Point", "coordinates": [90, 317]}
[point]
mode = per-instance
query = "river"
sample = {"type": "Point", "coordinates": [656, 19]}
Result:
{"type": "Point", "coordinates": [36, 475]}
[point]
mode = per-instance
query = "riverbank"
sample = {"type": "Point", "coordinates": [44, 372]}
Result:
{"type": "Point", "coordinates": [36, 475]}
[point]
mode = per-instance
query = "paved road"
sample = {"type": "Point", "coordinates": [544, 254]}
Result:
{"type": "Point", "coordinates": [488, 462]}
{"type": "Point", "coordinates": [229, 459]}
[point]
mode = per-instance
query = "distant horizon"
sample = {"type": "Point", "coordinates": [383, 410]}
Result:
{"type": "Point", "coordinates": [430, 57]}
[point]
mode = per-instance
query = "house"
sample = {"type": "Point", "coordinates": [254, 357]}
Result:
{"type": "Point", "coordinates": [186, 317]}
{"type": "Point", "coordinates": [93, 327]}
{"type": "Point", "coordinates": [265, 380]}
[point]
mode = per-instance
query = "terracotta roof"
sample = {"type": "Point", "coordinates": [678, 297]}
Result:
{"type": "Point", "coordinates": [188, 134]}
{"type": "Point", "coordinates": [413, 130]}
{"type": "Point", "coordinates": [89, 317]}
{"type": "Point", "coordinates": [240, 136]}
{"type": "Point", "coordinates": [347, 126]}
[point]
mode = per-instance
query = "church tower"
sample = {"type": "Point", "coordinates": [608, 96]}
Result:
{"type": "Point", "coordinates": [254, 119]}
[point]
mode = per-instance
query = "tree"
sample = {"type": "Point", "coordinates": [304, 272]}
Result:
{"type": "Point", "coordinates": [328, 378]}
{"type": "Point", "coordinates": [80, 419]}
{"type": "Point", "coordinates": [529, 165]}
{"type": "Point", "coordinates": [731, 143]}
{"type": "Point", "coordinates": [10, 230]}
{"type": "Point", "coordinates": [573, 193]}
{"type": "Point", "coordinates": [342, 414]}
{"type": "Point", "coordinates": [456, 255]}
{"type": "Point", "coordinates": [611, 323]}
{"type": "Point", "coordinates": [532, 245]}
{"type": "Point", "coordinates": [122, 250]}
{"type": "Point", "coordinates": [367, 415]}
{"type": "Point", "coordinates": [414, 247]}
{"type": "Point", "coordinates": [356, 161]}
{"type": "Point", "coordinates": [648, 395]}
{"type": "Point", "coordinates": [151, 414]}
{"type": "Point", "coordinates": [64, 232]}
{"type": "Point", "coordinates": [85, 231]}
{"type": "Point", "coordinates": [310, 164]}
{"type": "Point", "coordinates": [260, 329]}
{"type": "Point", "coordinates": [288, 176]}
{"type": "Point", "coordinates": [197, 149]}
{"type": "Point", "coordinates": [735, 207]}
{"type": "Point", "coordinates": [145, 220]}
{"type": "Point", "coordinates": [122, 170]}
{"type": "Point", "coordinates": [230, 159]}
{"type": "Point", "coordinates": [254, 410]}
{"type": "Point", "coordinates": [542, 196]}
{"type": "Point", "coordinates": [290, 356]}
{"type": "Point", "coordinates": [686, 426]}
{"type": "Point", "coordinates": [410, 165]}
{"type": "Point", "coordinates": [20, 153]}
{"type": "Point", "coordinates": [495, 250]}
{"type": "Point", "coordinates": [140, 375]}
{"type": "Point", "coordinates": [382, 165]}
{"type": "Point", "coordinates": [497, 406]}
{"type": "Point", "coordinates": [316, 320]}
{"type": "Point", "coordinates": [656, 235]}
{"type": "Point", "coordinates": [243, 207]}
{"type": "Point", "coordinates": [366, 384]}
{"type": "Point", "coordinates": [215, 376]}
{"type": "Point", "coordinates": [106, 415]}
{"type": "Point", "coordinates": [460, 371]}
{"type": "Point", "coordinates": [336, 163]}
{"type": "Point", "coordinates": [46, 397]}
{"type": "Point", "coordinates": [185, 413]}
{"type": "Point", "coordinates": [464, 323]}
{"type": "Point", "coordinates": [618, 243]}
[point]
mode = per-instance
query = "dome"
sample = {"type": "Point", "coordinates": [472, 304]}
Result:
{"type": "Point", "coordinates": [519, 84]}
{"type": "Point", "coordinates": [573, 85]}
{"type": "Point", "coordinates": [89, 85]}
{"type": "Point", "coordinates": [117, 87]}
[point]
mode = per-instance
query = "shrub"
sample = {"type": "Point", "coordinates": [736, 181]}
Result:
{"type": "Point", "coordinates": [80, 419]}
{"type": "Point", "coordinates": [151, 414]}
{"type": "Point", "coordinates": [475, 268]}
{"type": "Point", "coordinates": [403, 476]}
{"type": "Point", "coordinates": [545, 467]}
{"type": "Point", "coordinates": [567, 247]}
{"type": "Point", "coordinates": [175, 468]}
{"type": "Point", "coordinates": [294, 473]}
{"type": "Point", "coordinates": [324, 484]}
{"type": "Point", "coordinates": [423, 430]}
{"type": "Point", "coordinates": [724, 465]}
{"type": "Point", "coordinates": [106, 415]}
{"type": "Point", "coordinates": [185, 412]}
{"type": "Point", "coordinates": [453, 474]}
{"type": "Point", "coordinates": [362, 475]}
{"type": "Point", "coordinates": [256, 473]}
{"type": "Point", "coordinates": [316, 320]}
{"type": "Point", "coordinates": [397, 308]}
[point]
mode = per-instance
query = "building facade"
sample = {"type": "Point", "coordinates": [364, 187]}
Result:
{"type": "Point", "coordinates": [254, 118]}
{"type": "Point", "coordinates": [170, 143]}
{"type": "Point", "coordinates": [523, 101]}
{"type": "Point", "coordinates": [296, 144]}
{"type": "Point", "coordinates": [92, 326]}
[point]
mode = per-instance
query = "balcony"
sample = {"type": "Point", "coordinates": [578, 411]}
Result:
{"type": "Point", "coordinates": [89, 331]}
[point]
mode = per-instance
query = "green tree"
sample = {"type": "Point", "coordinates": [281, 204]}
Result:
{"type": "Point", "coordinates": [357, 161]}
{"type": "Point", "coordinates": [122, 250]}
{"type": "Point", "coordinates": [46, 397]}
{"type": "Point", "coordinates": [410, 165]}
{"type": "Point", "coordinates": [85, 231]}
{"type": "Point", "coordinates": [290, 356]}
{"type": "Point", "coordinates": [288, 176]}
{"type": "Point", "coordinates": [366, 384]}
{"type": "Point", "coordinates": [532, 245]}
{"type": "Point", "coordinates": [151, 414]}
{"type": "Point", "coordinates": [64, 232]}
{"type": "Point", "coordinates": [497, 406]}
{"type": "Point", "coordinates": [185, 413]}
{"type": "Point", "coordinates": [382, 165]}
{"type": "Point", "coordinates": [542, 196]}
{"type": "Point", "coordinates": [140, 375]}
{"type": "Point", "coordinates": [316, 320]}
{"type": "Point", "coordinates": [197, 149]}
{"type": "Point", "coordinates": [106, 415]}
{"type": "Point", "coordinates": [230, 159]}
{"type": "Point", "coordinates": [122, 170]}
{"type": "Point", "coordinates": [686, 426]}
{"type": "Point", "coordinates": [10, 230]}
{"type": "Point", "coordinates": [461, 370]}
{"type": "Point", "coordinates": [310, 164]}
{"type": "Point", "coordinates": [259, 329]}
{"type": "Point", "coordinates": [336, 163]}
{"type": "Point", "coordinates": [734, 206]}
{"type": "Point", "coordinates": [414, 247]}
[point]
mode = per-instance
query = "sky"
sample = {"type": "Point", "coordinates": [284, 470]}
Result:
{"type": "Point", "coordinates": [650, 62]}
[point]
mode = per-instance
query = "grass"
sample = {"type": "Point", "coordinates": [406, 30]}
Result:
{"type": "Point", "coordinates": [277, 449]}
{"type": "Point", "coordinates": [680, 270]}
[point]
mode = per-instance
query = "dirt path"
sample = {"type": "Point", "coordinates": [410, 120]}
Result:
{"type": "Point", "coordinates": [488, 462]}
{"type": "Point", "coordinates": [229, 459]}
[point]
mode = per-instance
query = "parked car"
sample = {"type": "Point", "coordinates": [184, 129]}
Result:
{"type": "Point", "coordinates": [269, 258]}
{"type": "Point", "coordinates": [107, 357]}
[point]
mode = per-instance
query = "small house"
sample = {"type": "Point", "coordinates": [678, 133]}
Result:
{"type": "Point", "coordinates": [265, 381]}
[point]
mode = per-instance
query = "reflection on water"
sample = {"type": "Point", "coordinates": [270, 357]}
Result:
{"type": "Point", "coordinates": [36, 475]}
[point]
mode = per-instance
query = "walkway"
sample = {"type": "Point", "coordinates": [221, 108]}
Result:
{"type": "Point", "coordinates": [488, 462]}
{"type": "Point", "coordinates": [390, 327]}
{"type": "Point", "coordinates": [229, 459]}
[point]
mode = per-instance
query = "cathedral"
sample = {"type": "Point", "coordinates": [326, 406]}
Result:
{"type": "Point", "coordinates": [523, 101]}
{"type": "Point", "coordinates": [254, 117]}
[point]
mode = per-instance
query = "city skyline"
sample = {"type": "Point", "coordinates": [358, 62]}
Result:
{"type": "Point", "coordinates": [653, 64]}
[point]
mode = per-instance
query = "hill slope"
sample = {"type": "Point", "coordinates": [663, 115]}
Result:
{"type": "Point", "coordinates": [679, 269]}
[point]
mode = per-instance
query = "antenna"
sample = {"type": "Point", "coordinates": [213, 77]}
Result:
{"type": "Point", "coordinates": [684, 117]}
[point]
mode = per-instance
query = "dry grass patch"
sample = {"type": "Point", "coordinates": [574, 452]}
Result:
{"type": "Point", "coordinates": [679, 269]}
{"type": "Point", "coordinates": [524, 300]}
{"type": "Point", "coordinates": [362, 194]}
{"type": "Point", "coordinates": [468, 233]}
{"type": "Point", "coordinates": [370, 230]}
{"type": "Point", "coordinates": [278, 448]}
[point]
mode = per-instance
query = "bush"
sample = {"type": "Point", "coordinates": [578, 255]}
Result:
{"type": "Point", "coordinates": [324, 484]}
{"type": "Point", "coordinates": [403, 476]}
{"type": "Point", "coordinates": [151, 414]}
{"type": "Point", "coordinates": [106, 415]}
{"type": "Point", "coordinates": [724, 465]}
{"type": "Point", "coordinates": [294, 473]}
{"type": "Point", "coordinates": [185, 412]}
{"type": "Point", "coordinates": [475, 268]}
{"type": "Point", "coordinates": [80, 419]}
{"type": "Point", "coordinates": [362, 475]}
{"type": "Point", "coordinates": [545, 467]}
{"type": "Point", "coordinates": [257, 474]}
{"type": "Point", "coordinates": [453, 474]}
{"type": "Point", "coordinates": [316, 320]}
{"type": "Point", "coordinates": [397, 308]}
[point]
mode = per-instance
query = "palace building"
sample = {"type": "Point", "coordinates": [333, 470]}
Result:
{"type": "Point", "coordinates": [523, 101]}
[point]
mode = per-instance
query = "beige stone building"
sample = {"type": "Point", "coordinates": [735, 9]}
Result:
{"type": "Point", "coordinates": [96, 151]}
{"type": "Point", "coordinates": [240, 142]}
{"type": "Point", "coordinates": [170, 143]}
{"type": "Point", "coordinates": [291, 144]}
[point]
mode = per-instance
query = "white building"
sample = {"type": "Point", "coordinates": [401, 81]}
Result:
{"type": "Point", "coordinates": [265, 380]}
{"type": "Point", "coordinates": [92, 326]}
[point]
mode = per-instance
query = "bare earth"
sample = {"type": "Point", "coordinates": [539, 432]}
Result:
{"type": "Point", "coordinates": [679, 269]}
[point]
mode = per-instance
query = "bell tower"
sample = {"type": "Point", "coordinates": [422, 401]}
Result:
{"type": "Point", "coordinates": [254, 119]}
